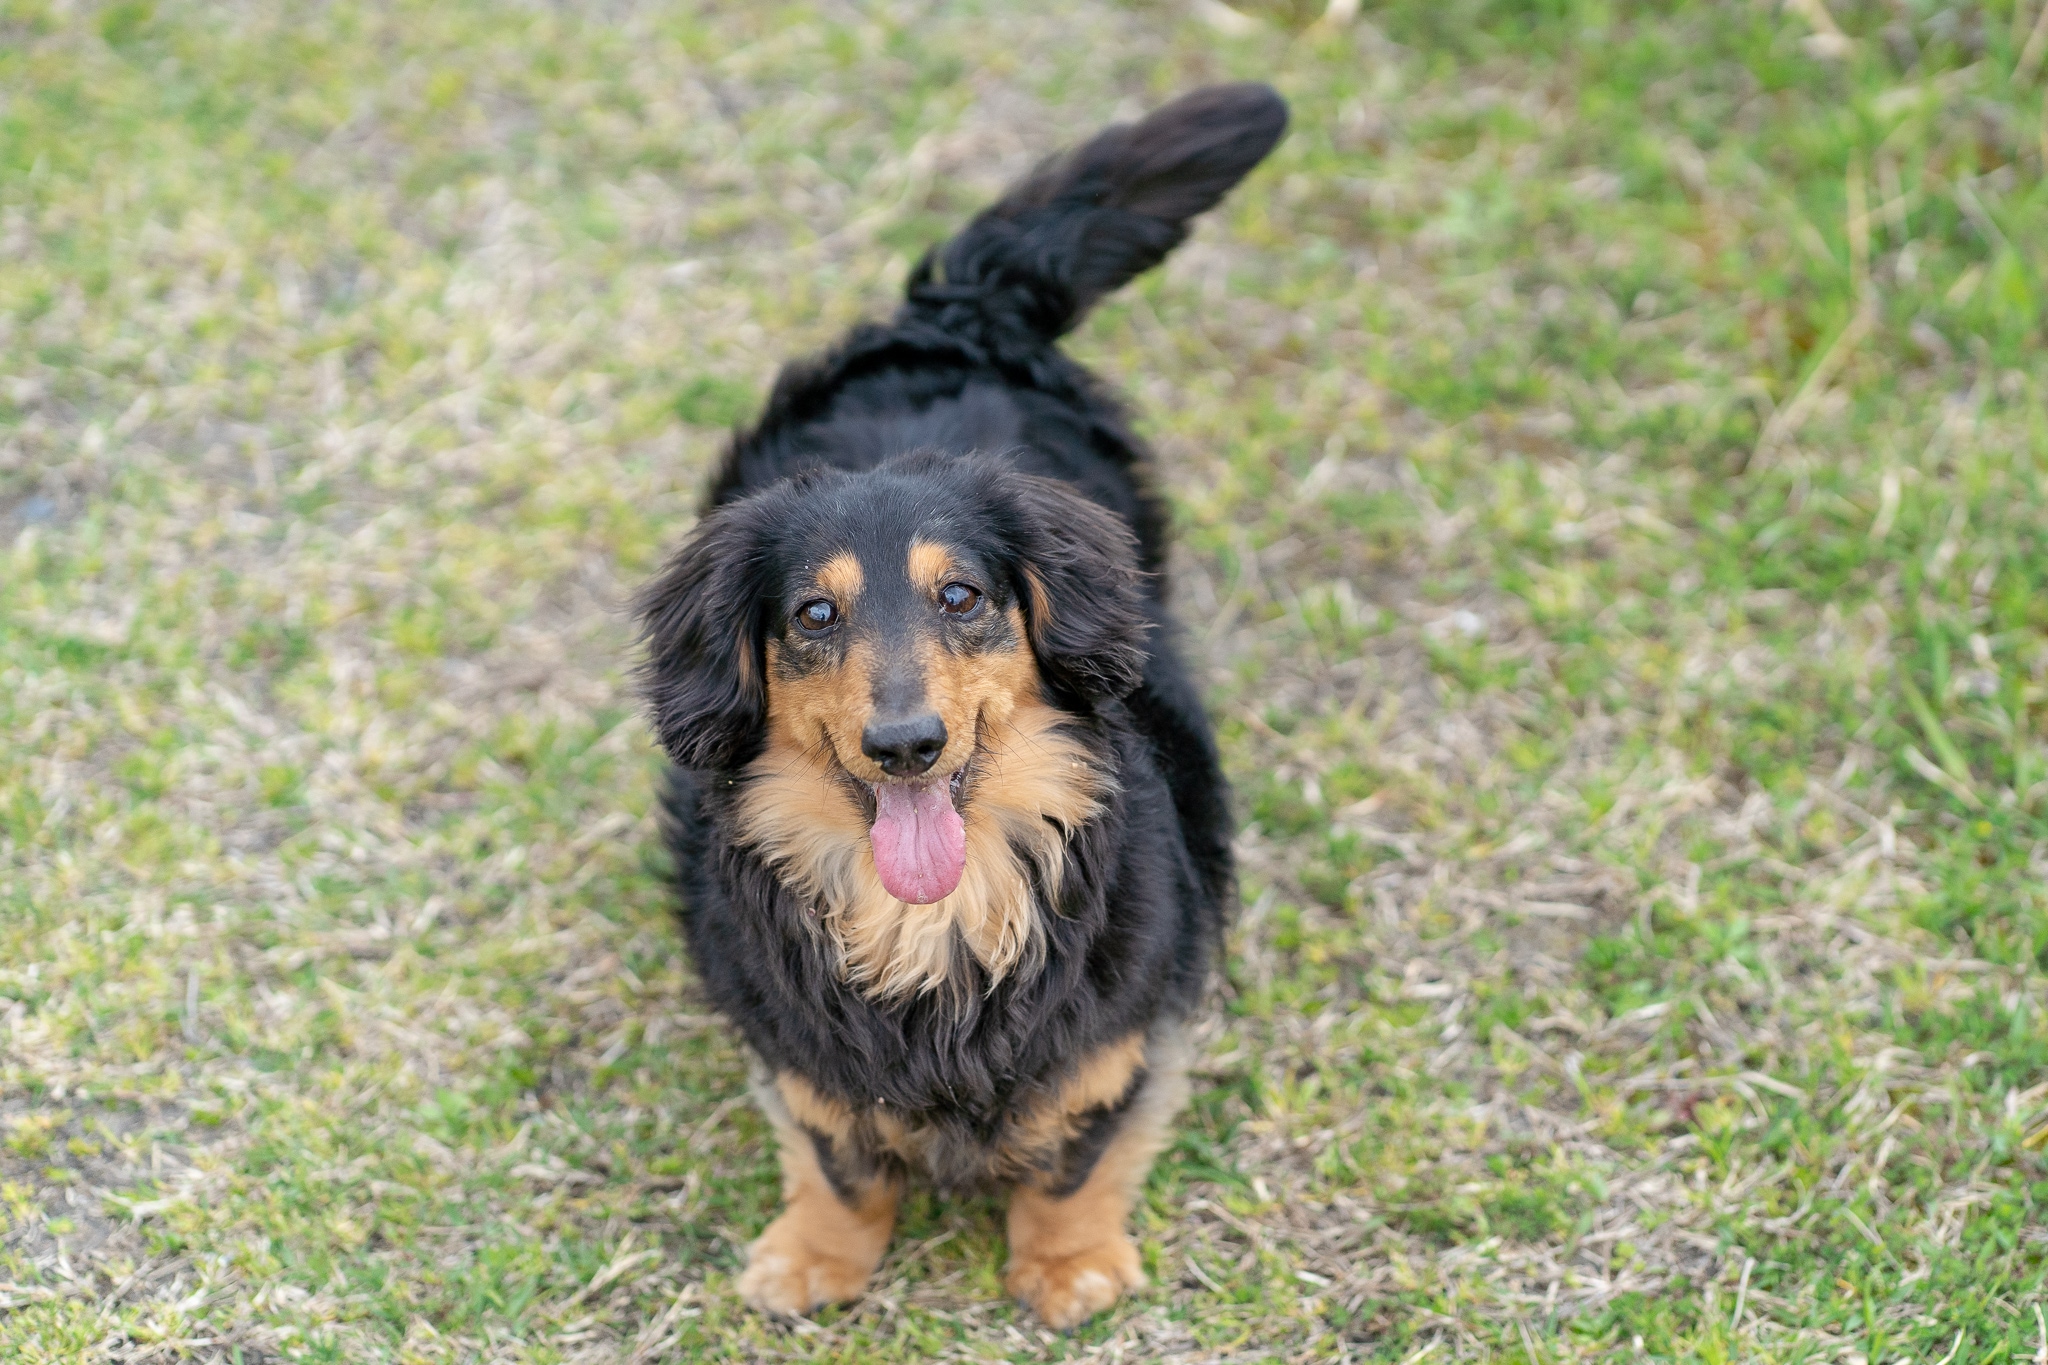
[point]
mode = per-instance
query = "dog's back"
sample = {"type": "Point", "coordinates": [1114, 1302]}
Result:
{"type": "Point", "coordinates": [969, 362]}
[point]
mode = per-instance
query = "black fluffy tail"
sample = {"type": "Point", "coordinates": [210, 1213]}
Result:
{"type": "Point", "coordinates": [1091, 218]}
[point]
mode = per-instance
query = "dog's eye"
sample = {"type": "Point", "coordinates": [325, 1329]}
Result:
{"type": "Point", "coordinates": [957, 599]}
{"type": "Point", "coordinates": [816, 614]}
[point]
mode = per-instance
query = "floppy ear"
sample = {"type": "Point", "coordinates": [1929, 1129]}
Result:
{"type": "Point", "coordinates": [1078, 580]}
{"type": "Point", "coordinates": [701, 619]}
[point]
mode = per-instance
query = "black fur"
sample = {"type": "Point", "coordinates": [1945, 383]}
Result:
{"type": "Point", "coordinates": [968, 365]}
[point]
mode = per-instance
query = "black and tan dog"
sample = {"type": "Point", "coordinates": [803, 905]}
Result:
{"type": "Point", "coordinates": [951, 836]}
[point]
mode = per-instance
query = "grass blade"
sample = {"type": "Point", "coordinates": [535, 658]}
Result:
{"type": "Point", "coordinates": [1953, 764]}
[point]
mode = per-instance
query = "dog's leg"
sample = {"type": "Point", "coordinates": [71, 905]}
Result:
{"type": "Point", "coordinates": [834, 1225]}
{"type": "Point", "coordinates": [1070, 1256]}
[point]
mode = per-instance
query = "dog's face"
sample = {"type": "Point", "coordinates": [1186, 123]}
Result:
{"type": "Point", "coordinates": [891, 647]}
{"type": "Point", "coordinates": [900, 648]}
{"type": "Point", "coordinates": [887, 624]}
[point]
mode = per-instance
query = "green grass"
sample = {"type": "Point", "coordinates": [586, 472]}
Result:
{"type": "Point", "coordinates": [1609, 446]}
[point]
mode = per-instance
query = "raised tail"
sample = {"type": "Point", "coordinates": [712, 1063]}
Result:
{"type": "Point", "coordinates": [1096, 216]}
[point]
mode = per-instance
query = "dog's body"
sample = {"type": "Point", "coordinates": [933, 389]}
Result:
{"type": "Point", "coordinates": [952, 839]}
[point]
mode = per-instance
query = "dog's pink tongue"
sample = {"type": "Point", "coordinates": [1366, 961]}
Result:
{"type": "Point", "coordinates": [920, 844]}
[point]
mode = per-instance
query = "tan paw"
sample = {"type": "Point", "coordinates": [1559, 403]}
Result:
{"type": "Point", "coordinates": [784, 1275]}
{"type": "Point", "coordinates": [1067, 1290]}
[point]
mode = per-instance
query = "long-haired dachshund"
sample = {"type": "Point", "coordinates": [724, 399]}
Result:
{"type": "Point", "coordinates": [951, 837]}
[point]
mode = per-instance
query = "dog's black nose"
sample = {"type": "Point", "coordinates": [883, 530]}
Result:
{"type": "Point", "coordinates": [905, 746]}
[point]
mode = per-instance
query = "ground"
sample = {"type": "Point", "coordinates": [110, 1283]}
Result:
{"type": "Point", "coordinates": [1607, 443]}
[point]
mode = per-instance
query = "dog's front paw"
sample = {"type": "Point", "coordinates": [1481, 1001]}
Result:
{"type": "Point", "coordinates": [784, 1274]}
{"type": "Point", "coordinates": [1066, 1290]}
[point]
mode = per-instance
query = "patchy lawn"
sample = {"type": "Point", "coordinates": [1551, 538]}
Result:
{"type": "Point", "coordinates": [1609, 446]}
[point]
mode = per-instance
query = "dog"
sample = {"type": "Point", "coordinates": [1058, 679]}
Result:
{"type": "Point", "coordinates": [951, 838]}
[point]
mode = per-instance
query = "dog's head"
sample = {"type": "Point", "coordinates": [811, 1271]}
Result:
{"type": "Point", "coordinates": [888, 622]}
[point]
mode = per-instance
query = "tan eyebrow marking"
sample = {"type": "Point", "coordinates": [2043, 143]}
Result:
{"type": "Point", "coordinates": [841, 577]}
{"type": "Point", "coordinates": [929, 566]}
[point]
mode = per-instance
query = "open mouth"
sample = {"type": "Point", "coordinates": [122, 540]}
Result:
{"type": "Point", "coordinates": [918, 837]}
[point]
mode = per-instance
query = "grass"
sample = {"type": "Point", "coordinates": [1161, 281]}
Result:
{"type": "Point", "coordinates": [1608, 442]}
